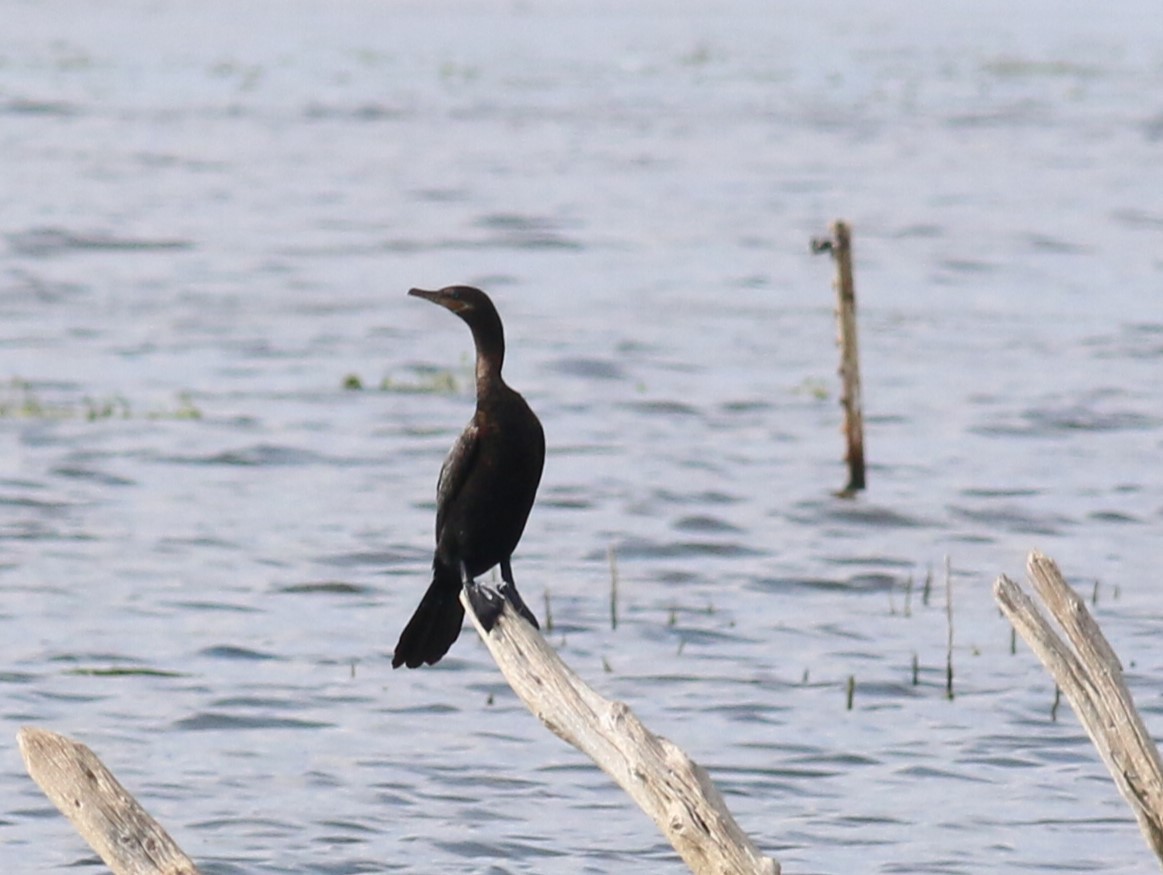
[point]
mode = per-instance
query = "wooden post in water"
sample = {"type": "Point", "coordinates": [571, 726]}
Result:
{"type": "Point", "coordinates": [949, 629]}
{"type": "Point", "coordinates": [613, 587]}
{"type": "Point", "coordinates": [840, 246]}
{"type": "Point", "coordinates": [1087, 670]}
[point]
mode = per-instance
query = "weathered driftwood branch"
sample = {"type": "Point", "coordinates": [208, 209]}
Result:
{"type": "Point", "coordinates": [1090, 675]}
{"type": "Point", "coordinates": [673, 790]}
{"type": "Point", "coordinates": [840, 246]}
{"type": "Point", "coordinates": [102, 811]}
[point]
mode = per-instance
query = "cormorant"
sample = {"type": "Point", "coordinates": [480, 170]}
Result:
{"type": "Point", "coordinates": [484, 494]}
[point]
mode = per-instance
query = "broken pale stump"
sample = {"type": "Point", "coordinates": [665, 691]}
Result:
{"type": "Point", "coordinates": [673, 790]}
{"type": "Point", "coordinates": [102, 811]}
{"type": "Point", "coordinates": [840, 247]}
{"type": "Point", "coordinates": [1089, 673]}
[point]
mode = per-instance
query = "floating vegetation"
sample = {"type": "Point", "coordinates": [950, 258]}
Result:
{"type": "Point", "coordinates": [186, 409]}
{"type": "Point", "coordinates": [814, 388]}
{"type": "Point", "coordinates": [1009, 66]}
{"type": "Point", "coordinates": [19, 400]}
{"type": "Point", "coordinates": [441, 382]}
{"type": "Point", "coordinates": [434, 382]}
{"type": "Point", "coordinates": [116, 407]}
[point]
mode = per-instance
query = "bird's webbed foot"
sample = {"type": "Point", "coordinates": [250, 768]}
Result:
{"type": "Point", "coordinates": [509, 592]}
{"type": "Point", "coordinates": [487, 603]}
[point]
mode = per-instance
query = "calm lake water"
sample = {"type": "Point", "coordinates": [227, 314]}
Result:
{"type": "Point", "coordinates": [210, 215]}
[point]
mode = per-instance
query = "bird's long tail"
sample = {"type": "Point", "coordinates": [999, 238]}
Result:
{"type": "Point", "coordinates": [436, 623]}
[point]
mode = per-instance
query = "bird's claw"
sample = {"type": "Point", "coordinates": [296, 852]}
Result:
{"type": "Point", "coordinates": [487, 603]}
{"type": "Point", "coordinates": [514, 598]}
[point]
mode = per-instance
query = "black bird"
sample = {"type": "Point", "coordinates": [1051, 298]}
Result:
{"type": "Point", "coordinates": [484, 494]}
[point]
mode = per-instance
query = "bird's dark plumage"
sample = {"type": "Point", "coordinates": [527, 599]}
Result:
{"type": "Point", "coordinates": [485, 491]}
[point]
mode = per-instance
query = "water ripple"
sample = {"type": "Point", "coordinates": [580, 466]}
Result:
{"type": "Point", "coordinates": [44, 242]}
{"type": "Point", "coordinates": [706, 524]}
{"type": "Point", "coordinates": [213, 720]}
{"type": "Point", "coordinates": [589, 368]}
{"type": "Point", "coordinates": [1069, 418]}
{"type": "Point", "coordinates": [258, 455]}
{"type": "Point", "coordinates": [645, 548]}
{"type": "Point", "coordinates": [27, 106]}
{"type": "Point", "coordinates": [229, 651]}
{"type": "Point", "coordinates": [325, 587]}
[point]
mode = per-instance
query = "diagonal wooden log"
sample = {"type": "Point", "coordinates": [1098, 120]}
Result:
{"type": "Point", "coordinates": [672, 789]}
{"type": "Point", "coordinates": [102, 811]}
{"type": "Point", "coordinates": [1089, 673]}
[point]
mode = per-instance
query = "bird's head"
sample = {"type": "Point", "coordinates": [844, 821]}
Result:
{"type": "Point", "coordinates": [464, 301]}
{"type": "Point", "coordinates": [475, 308]}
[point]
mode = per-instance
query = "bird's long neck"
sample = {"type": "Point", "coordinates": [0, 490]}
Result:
{"type": "Point", "coordinates": [489, 338]}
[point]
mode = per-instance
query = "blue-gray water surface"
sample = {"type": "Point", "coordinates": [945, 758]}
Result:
{"type": "Point", "coordinates": [209, 216]}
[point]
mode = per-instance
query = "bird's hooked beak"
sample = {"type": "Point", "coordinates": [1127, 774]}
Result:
{"type": "Point", "coordinates": [441, 297]}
